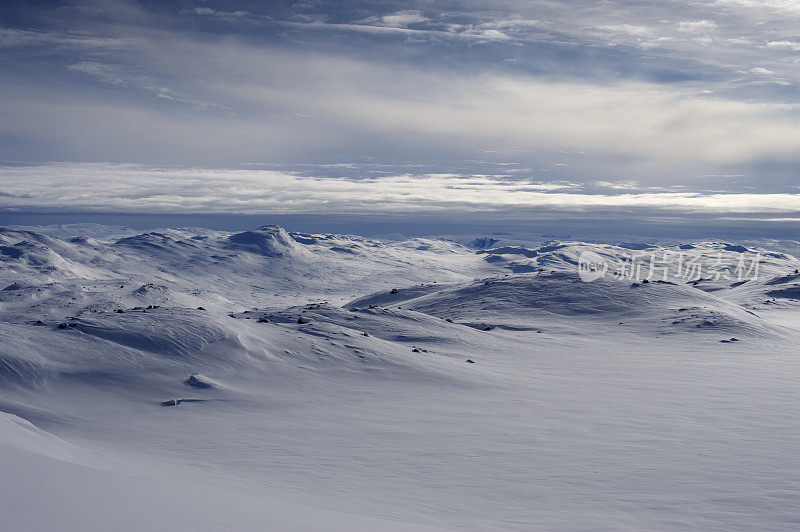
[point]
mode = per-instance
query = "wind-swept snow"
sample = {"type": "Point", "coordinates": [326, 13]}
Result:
{"type": "Point", "coordinates": [270, 380]}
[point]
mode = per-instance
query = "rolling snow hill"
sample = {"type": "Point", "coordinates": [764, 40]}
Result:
{"type": "Point", "coordinates": [265, 380]}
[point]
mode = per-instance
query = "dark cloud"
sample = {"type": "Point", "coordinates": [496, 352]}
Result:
{"type": "Point", "coordinates": [659, 93]}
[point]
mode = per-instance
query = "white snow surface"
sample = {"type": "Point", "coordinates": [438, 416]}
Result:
{"type": "Point", "coordinates": [265, 380]}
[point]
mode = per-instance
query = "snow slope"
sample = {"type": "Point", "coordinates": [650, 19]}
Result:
{"type": "Point", "coordinates": [268, 380]}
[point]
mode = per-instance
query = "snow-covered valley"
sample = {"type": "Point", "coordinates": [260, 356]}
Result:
{"type": "Point", "coordinates": [265, 380]}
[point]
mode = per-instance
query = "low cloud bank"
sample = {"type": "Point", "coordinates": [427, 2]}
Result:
{"type": "Point", "coordinates": [104, 187]}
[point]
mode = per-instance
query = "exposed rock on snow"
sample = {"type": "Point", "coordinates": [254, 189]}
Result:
{"type": "Point", "coordinates": [196, 380]}
{"type": "Point", "coordinates": [482, 243]}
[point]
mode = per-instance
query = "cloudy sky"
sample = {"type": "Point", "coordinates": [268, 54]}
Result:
{"type": "Point", "coordinates": [348, 106]}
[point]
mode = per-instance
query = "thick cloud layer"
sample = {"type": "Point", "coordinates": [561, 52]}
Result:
{"type": "Point", "coordinates": [132, 188]}
{"type": "Point", "coordinates": [699, 96]}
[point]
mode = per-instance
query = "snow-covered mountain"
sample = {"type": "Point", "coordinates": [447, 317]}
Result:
{"type": "Point", "coordinates": [270, 380]}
